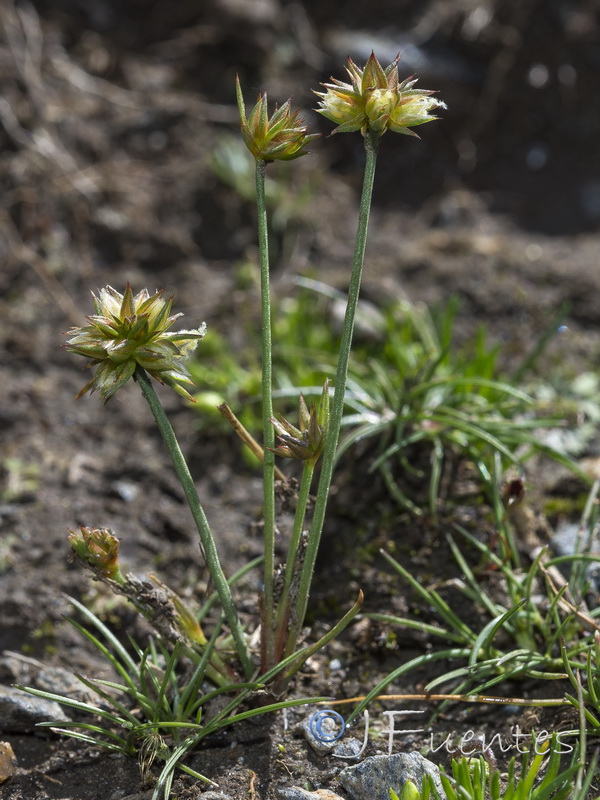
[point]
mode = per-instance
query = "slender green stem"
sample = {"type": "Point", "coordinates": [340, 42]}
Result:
{"type": "Point", "coordinates": [268, 646]}
{"type": "Point", "coordinates": [206, 538]}
{"type": "Point", "coordinates": [337, 409]}
{"type": "Point", "coordinates": [328, 637]}
{"type": "Point", "coordinates": [291, 567]}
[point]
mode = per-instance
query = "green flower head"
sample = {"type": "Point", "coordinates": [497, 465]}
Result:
{"type": "Point", "coordinates": [99, 549]}
{"type": "Point", "coordinates": [283, 137]}
{"type": "Point", "coordinates": [376, 100]}
{"type": "Point", "coordinates": [128, 330]}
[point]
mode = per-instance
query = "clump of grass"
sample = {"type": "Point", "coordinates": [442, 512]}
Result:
{"type": "Point", "coordinates": [424, 393]}
{"type": "Point", "coordinates": [588, 690]}
{"type": "Point", "coordinates": [424, 404]}
{"type": "Point", "coordinates": [539, 778]}
{"type": "Point", "coordinates": [540, 631]}
{"type": "Point", "coordinates": [160, 707]}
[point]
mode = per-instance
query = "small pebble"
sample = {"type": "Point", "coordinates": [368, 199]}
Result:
{"type": "Point", "coordinates": [8, 761]}
{"type": "Point", "coordinates": [296, 793]}
{"type": "Point", "coordinates": [212, 795]}
{"type": "Point", "coordinates": [17, 668]}
{"type": "Point", "coordinates": [349, 748]}
{"type": "Point", "coordinates": [125, 490]}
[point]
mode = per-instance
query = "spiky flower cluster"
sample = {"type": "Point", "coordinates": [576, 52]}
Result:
{"type": "Point", "coordinates": [283, 137]}
{"type": "Point", "coordinates": [376, 100]}
{"type": "Point", "coordinates": [306, 442]}
{"type": "Point", "coordinates": [127, 331]}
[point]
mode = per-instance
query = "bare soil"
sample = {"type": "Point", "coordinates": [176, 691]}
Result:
{"type": "Point", "coordinates": [109, 116]}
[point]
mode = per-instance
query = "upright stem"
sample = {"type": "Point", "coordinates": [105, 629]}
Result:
{"type": "Point", "coordinates": [337, 408]}
{"type": "Point", "coordinates": [206, 538]}
{"type": "Point", "coordinates": [291, 567]}
{"type": "Point", "coordinates": [268, 646]}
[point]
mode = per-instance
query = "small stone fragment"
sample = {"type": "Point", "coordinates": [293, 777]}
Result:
{"type": "Point", "coordinates": [212, 795]}
{"type": "Point", "coordinates": [120, 795]}
{"type": "Point", "coordinates": [8, 761]}
{"type": "Point", "coordinates": [20, 712]}
{"type": "Point", "coordinates": [566, 541]}
{"type": "Point", "coordinates": [323, 730]}
{"type": "Point", "coordinates": [296, 793]}
{"type": "Point", "coordinates": [349, 749]}
{"type": "Point", "coordinates": [373, 777]}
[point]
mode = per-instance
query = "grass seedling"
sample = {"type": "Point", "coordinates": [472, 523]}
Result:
{"type": "Point", "coordinates": [20, 479]}
{"type": "Point", "coordinates": [472, 779]}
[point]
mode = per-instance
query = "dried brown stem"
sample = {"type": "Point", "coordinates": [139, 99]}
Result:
{"type": "Point", "coordinates": [247, 437]}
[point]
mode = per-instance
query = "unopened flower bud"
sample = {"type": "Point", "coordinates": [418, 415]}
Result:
{"type": "Point", "coordinates": [306, 442]}
{"type": "Point", "coordinates": [283, 137]}
{"type": "Point", "coordinates": [98, 548]}
{"type": "Point", "coordinates": [410, 791]}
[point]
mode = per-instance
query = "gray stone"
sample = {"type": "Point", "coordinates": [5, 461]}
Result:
{"type": "Point", "coordinates": [348, 749]}
{"type": "Point", "coordinates": [373, 777]}
{"type": "Point", "coordinates": [296, 793]}
{"type": "Point", "coordinates": [26, 671]}
{"type": "Point", "coordinates": [212, 795]}
{"type": "Point", "coordinates": [20, 712]}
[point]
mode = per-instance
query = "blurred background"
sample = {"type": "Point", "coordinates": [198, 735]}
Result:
{"type": "Point", "coordinates": [111, 113]}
